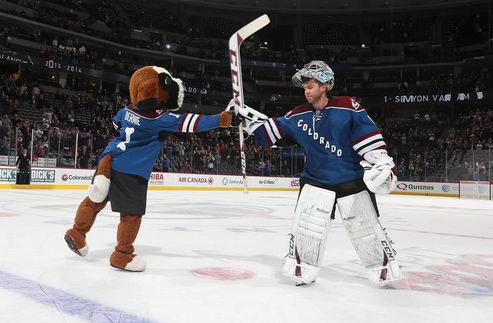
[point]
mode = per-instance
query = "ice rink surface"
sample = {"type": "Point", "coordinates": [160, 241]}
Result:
{"type": "Point", "coordinates": [216, 257]}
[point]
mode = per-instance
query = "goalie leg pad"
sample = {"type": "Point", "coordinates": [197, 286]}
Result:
{"type": "Point", "coordinates": [369, 238]}
{"type": "Point", "coordinates": [311, 224]}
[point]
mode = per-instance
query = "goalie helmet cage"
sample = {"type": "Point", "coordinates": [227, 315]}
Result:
{"type": "Point", "coordinates": [479, 190]}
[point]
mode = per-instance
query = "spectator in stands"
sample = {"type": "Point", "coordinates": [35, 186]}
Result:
{"type": "Point", "coordinates": [86, 156]}
{"type": "Point", "coordinates": [268, 168]}
{"type": "Point", "coordinates": [210, 163]}
{"type": "Point", "coordinates": [165, 163]}
{"type": "Point", "coordinates": [4, 145]}
{"type": "Point", "coordinates": [35, 92]}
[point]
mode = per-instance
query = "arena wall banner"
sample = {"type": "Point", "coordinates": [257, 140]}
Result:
{"type": "Point", "coordinates": [459, 96]}
{"type": "Point", "coordinates": [7, 175]}
{"type": "Point", "coordinates": [427, 188]}
{"type": "Point", "coordinates": [69, 178]}
{"type": "Point", "coordinates": [163, 181]}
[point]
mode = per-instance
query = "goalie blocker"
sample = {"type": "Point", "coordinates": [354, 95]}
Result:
{"type": "Point", "coordinates": [357, 208]}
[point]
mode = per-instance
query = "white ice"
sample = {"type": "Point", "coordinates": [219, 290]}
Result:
{"type": "Point", "coordinates": [445, 246]}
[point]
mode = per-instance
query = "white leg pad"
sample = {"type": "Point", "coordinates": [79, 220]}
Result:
{"type": "Point", "coordinates": [98, 190]}
{"type": "Point", "coordinates": [368, 238]}
{"type": "Point", "coordinates": [308, 272]}
{"type": "Point", "coordinates": [385, 275]}
{"type": "Point", "coordinates": [308, 236]}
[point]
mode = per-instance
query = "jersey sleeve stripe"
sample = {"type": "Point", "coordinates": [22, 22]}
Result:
{"type": "Point", "coordinates": [196, 125]}
{"type": "Point", "coordinates": [369, 143]}
{"type": "Point", "coordinates": [270, 133]}
{"type": "Point", "coordinates": [266, 135]}
{"type": "Point", "coordinates": [377, 145]}
{"type": "Point", "coordinates": [368, 135]}
{"type": "Point", "coordinates": [191, 124]}
{"type": "Point", "coordinates": [184, 122]}
{"type": "Point", "coordinates": [281, 132]}
{"type": "Point", "coordinates": [366, 141]}
{"type": "Point", "coordinates": [275, 129]}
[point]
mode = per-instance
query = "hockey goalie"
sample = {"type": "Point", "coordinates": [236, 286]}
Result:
{"type": "Point", "coordinates": [346, 165]}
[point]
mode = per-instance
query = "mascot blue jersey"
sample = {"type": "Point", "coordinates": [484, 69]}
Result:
{"type": "Point", "coordinates": [334, 139]}
{"type": "Point", "coordinates": [141, 138]}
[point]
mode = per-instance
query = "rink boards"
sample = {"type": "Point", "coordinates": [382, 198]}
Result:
{"type": "Point", "coordinates": [67, 178]}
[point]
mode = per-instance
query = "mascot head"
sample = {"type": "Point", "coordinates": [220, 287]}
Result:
{"type": "Point", "coordinates": [152, 88]}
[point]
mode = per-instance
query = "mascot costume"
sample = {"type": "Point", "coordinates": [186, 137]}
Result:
{"type": "Point", "coordinates": [126, 164]}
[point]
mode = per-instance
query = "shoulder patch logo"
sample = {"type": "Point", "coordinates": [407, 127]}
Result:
{"type": "Point", "coordinates": [355, 104]}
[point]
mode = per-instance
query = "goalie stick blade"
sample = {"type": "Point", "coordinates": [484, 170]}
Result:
{"type": "Point", "coordinates": [249, 29]}
{"type": "Point", "coordinates": [234, 54]}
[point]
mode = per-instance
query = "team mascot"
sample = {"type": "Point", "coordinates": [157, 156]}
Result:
{"type": "Point", "coordinates": [125, 165]}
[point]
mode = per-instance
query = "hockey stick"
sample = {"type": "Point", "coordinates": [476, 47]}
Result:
{"type": "Point", "coordinates": [237, 81]}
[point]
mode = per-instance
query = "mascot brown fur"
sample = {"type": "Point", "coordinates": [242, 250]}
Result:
{"type": "Point", "coordinates": [153, 92]}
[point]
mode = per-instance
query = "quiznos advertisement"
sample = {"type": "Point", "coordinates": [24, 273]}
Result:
{"type": "Point", "coordinates": [427, 188]}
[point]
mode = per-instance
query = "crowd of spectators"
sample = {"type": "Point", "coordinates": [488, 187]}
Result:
{"type": "Point", "coordinates": [54, 120]}
{"type": "Point", "coordinates": [437, 146]}
{"type": "Point", "coordinates": [70, 51]}
{"type": "Point", "coordinates": [206, 37]}
{"type": "Point", "coordinates": [430, 145]}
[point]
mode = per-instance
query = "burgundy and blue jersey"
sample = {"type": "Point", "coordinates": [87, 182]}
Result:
{"type": "Point", "coordinates": [141, 138]}
{"type": "Point", "coordinates": [334, 139]}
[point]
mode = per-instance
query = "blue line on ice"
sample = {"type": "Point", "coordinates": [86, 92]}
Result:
{"type": "Point", "coordinates": [66, 302]}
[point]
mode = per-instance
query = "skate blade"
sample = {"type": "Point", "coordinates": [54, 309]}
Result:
{"type": "Point", "coordinates": [304, 284]}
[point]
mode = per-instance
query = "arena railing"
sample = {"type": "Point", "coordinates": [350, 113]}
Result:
{"type": "Point", "coordinates": [71, 148]}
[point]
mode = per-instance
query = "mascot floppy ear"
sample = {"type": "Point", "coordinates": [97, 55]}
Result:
{"type": "Point", "coordinates": [154, 88]}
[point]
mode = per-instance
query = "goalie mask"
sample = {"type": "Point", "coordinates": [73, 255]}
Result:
{"type": "Point", "coordinates": [318, 70]}
{"type": "Point", "coordinates": [153, 88]}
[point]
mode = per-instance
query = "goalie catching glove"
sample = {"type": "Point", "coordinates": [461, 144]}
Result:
{"type": "Point", "coordinates": [378, 176]}
{"type": "Point", "coordinates": [251, 118]}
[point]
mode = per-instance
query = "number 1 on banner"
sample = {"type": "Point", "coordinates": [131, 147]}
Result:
{"type": "Point", "coordinates": [237, 81]}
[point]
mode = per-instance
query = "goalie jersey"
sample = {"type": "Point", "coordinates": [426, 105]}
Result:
{"type": "Point", "coordinates": [135, 149]}
{"type": "Point", "coordinates": [334, 138]}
